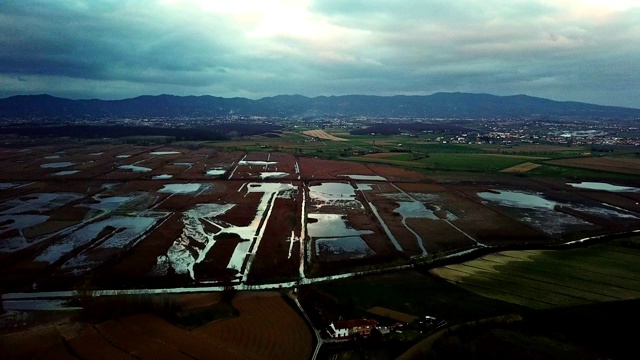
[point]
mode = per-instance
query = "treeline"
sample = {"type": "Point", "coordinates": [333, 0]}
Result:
{"type": "Point", "coordinates": [203, 133]}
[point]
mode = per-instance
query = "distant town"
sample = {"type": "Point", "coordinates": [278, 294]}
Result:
{"type": "Point", "coordinates": [505, 132]}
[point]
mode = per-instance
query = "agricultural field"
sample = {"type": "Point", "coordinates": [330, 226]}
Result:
{"type": "Point", "coordinates": [454, 162]}
{"type": "Point", "coordinates": [266, 327]}
{"type": "Point", "coordinates": [114, 220]}
{"type": "Point", "coordinates": [548, 279]}
{"type": "Point", "coordinates": [127, 217]}
{"type": "Point", "coordinates": [323, 135]}
{"type": "Point", "coordinates": [607, 163]}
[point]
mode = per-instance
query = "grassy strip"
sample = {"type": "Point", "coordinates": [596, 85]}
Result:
{"type": "Point", "coordinates": [563, 262]}
{"type": "Point", "coordinates": [592, 262]}
{"type": "Point", "coordinates": [577, 280]}
{"type": "Point", "coordinates": [507, 296]}
{"type": "Point", "coordinates": [547, 284]}
{"type": "Point", "coordinates": [591, 276]}
{"type": "Point", "coordinates": [572, 280]}
{"type": "Point", "coordinates": [574, 173]}
{"type": "Point", "coordinates": [527, 288]}
{"type": "Point", "coordinates": [451, 161]}
{"type": "Point", "coordinates": [513, 287]}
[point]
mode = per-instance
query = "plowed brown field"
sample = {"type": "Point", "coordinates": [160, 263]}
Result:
{"type": "Point", "coordinates": [620, 165]}
{"type": "Point", "coordinates": [267, 328]}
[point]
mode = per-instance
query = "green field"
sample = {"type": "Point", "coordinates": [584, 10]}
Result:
{"type": "Point", "coordinates": [555, 171]}
{"type": "Point", "coordinates": [452, 161]}
{"type": "Point", "coordinates": [413, 293]}
{"type": "Point", "coordinates": [553, 278]}
{"type": "Point", "coordinates": [422, 154]}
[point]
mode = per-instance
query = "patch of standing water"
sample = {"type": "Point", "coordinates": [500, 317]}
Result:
{"type": "Point", "coordinates": [335, 240]}
{"type": "Point", "coordinates": [50, 157]}
{"type": "Point", "coordinates": [605, 212]}
{"type": "Point", "coordinates": [278, 188]}
{"type": "Point", "coordinates": [183, 164]}
{"type": "Point", "coordinates": [414, 209]}
{"type": "Point", "coordinates": [123, 156]}
{"type": "Point", "coordinates": [260, 163]}
{"type": "Point", "coordinates": [162, 177]}
{"type": "Point", "coordinates": [4, 186]}
{"type": "Point", "coordinates": [351, 247]}
{"type": "Point", "coordinates": [182, 255]}
{"type": "Point", "coordinates": [603, 186]}
{"type": "Point", "coordinates": [331, 225]}
{"type": "Point", "coordinates": [366, 177]}
{"type": "Point", "coordinates": [216, 172]}
{"type": "Point", "coordinates": [536, 211]}
{"type": "Point", "coordinates": [96, 153]}
{"type": "Point", "coordinates": [332, 191]}
{"type": "Point", "coordinates": [18, 222]}
{"type": "Point", "coordinates": [518, 199]}
{"type": "Point", "coordinates": [425, 197]}
{"type": "Point", "coordinates": [124, 231]}
{"type": "Point", "coordinates": [66, 172]}
{"type": "Point", "coordinates": [195, 242]}
{"type": "Point", "coordinates": [57, 165]}
{"type": "Point", "coordinates": [272, 174]}
{"type": "Point", "coordinates": [39, 304]}
{"type": "Point", "coordinates": [164, 152]}
{"type": "Point", "coordinates": [181, 188]}
{"type": "Point", "coordinates": [39, 202]}
{"type": "Point", "coordinates": [108, 203]}
{"type": "Point", "coordinates": [134, 168]}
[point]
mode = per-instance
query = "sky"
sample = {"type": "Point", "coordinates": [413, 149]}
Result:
{"type": "Point", "coordinates": [567, 50]}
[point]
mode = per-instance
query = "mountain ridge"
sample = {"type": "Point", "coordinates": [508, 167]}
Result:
{"type": "Point", "coordinates": [440, 104]}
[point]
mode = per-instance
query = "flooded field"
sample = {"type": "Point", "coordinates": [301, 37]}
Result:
{"type": "Point", "coordinates": [56, 165]}
{"type": "Point", "coordinates": [603, 186]}
{"type": "Point", "coordinates": [546, 215]}
{"type": "Point", "coordinates": [143, 216]}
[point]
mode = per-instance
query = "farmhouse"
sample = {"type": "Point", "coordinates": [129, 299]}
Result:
{"type": "Point", "coordinates": [343, 329]}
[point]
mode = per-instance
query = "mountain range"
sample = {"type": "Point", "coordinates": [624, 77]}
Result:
{"type": "Point", "coordinates": [438, 105]}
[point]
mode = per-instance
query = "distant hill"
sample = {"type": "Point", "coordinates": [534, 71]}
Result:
{"type": "Point", "coordinates": [446, 105]}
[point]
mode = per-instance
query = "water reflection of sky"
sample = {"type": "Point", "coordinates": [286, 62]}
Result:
{"type": "Point", "coordinates": [350, 247]}
{"type": "Point", "coordinates": [335, 239]}
{"type": "Point", "coordinates": [603, 186]}
{"type": "Point", "coordinates": [331, 225]}
{"type": "Point", "coordinates": [134, 168]}
{"type": "Point", "coordinates": [332, 191]}
{"type": "Point", "coordinates": [180, 188]}
{"type": "Point", "coordinates": [162, 177]}
{"type": "Point", "coordinates": [536, 211]}
{"type": "Point", "coordinates": [216, 172]}
{"type": "Point", "coordinates": [66, 172]}
{"type": "Point", "coordinates": [57, 165]}
{"type": "Point", "coordinates": [517, 199]}
{"type": "Point", "coordinates": [414, 209]}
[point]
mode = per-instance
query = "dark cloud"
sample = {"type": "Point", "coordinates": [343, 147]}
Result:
{"type": "Point", "coordinates": [106, 49]}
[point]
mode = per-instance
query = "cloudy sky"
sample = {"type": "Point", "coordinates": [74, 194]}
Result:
{"type": "Point", "coordinates": [582, 50]}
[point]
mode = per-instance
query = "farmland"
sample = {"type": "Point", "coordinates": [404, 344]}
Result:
{"type": "Point", "coordinates": [127, 217]}
{"type": "Point", "coordinates": [280, 213]}
{"type": "Point", "coordinates": [548, 279]}
{"type": "Point", "coordinates": [266, 328]}
{"type": "Point", "coordinates": [582, 299]}
{"type": "Point", "coordinates": [583, 294]}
